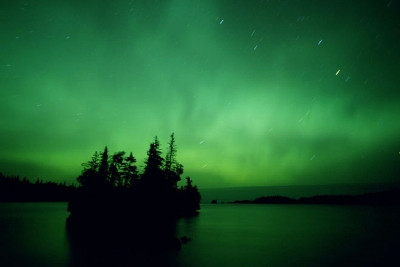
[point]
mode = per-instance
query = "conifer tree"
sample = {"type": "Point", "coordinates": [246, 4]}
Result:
{"type": "Point", "coordinates": [192, 197]}
{"type": "Point", "coordinates": [90, 171]}
{"type": "Point", "coordinates": [103, 169]}
{"type": "Point", "coordinates": [116, 167]}
{"type": "Point", "coordinates": [153, 172]}
{"type": "Point", "coordinates": [172, 168]}
{"type": "Point", "coordinates": [130, 173]}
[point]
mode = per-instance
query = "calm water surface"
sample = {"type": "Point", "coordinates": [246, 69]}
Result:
{"type": "Point", "coordinates": [33, 234]}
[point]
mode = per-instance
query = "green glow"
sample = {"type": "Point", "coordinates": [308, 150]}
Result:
{"type": "Point", "coordinates": [251, 95]}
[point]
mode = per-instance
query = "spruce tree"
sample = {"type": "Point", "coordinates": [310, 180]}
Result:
{"type": "Point", "coordinates": [130, 174]}
{"type": "Point", "coordinates": [191, 197]}
{"type": "Point", "coordinates": [90, 171]}
{"type": "Point", "coordinates": [153, 173]}
{"type": "Point", "coordinates": [172, 168]}
{"type": "Point", "coordinates": [116, 168]}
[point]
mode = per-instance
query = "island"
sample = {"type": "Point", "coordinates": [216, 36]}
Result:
{"type": "Point", "coordinates": [116, 208]}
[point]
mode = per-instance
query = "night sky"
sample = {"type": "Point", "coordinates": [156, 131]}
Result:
{"type": "Point", "coordinates": [257, 93]}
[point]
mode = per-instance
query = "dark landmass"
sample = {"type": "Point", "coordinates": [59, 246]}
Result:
{"type": "Point", "coordinates": [15, 189]}
{"type": "Point", "coordinates": [385, 198]}
{"type": "Point", "coordinates": [118, 209]}
{"type": "Point", "coordinates": [274, 199]}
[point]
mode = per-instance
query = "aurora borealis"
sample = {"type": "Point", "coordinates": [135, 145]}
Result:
{"type": "Point", "coordinates": [257, 92]}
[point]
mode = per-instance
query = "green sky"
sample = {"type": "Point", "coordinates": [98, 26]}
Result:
{"type": "Point", "coordinates": [257, 92]}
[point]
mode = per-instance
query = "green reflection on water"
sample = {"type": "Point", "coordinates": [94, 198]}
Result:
{"type": "Point", "coordinates": [33, 234]}
{"type": "Point", "coordinates": [289, 235]}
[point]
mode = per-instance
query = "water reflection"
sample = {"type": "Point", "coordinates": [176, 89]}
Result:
{"type": "Point", "coordinates": [148, 242]}
{"type": "Point", "coordinates": [34, 234]}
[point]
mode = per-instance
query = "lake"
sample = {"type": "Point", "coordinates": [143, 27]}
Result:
{"type": "Point", "coordinates": [33, 234]}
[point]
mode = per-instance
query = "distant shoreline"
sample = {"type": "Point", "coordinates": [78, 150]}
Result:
{"type": "Point", "coordinates": [230, 194]}
{"type": "Point", "coordinates": [383, 198]}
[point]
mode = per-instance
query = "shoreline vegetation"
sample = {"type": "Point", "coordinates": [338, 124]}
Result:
{"type": "Point", "coordinates": [15, 189]}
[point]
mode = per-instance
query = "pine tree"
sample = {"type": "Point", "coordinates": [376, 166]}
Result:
{"type": "Point", "coordinates": [172, 168]}
{"type": "Point", "coordinates": [103, 169]}
{"type": "Point", "coordinates": [191, 197]}
{"type": "Point", "coordinates": [90, 170]}
{"type": "Point", "coordinates": [116, 167]}
{"type": "Point", "coordinates": [153, 172]}
{"type": "Point", "coordinates": [130, 174]}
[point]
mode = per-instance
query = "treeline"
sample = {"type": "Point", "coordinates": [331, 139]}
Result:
{"type": "Point", "coordinates": [385, 198]}
{"type": "Point", "coordinates": [15, 189]}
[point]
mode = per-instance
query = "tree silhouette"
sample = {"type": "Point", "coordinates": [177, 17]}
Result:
{"type": "Point", "coordinates": [116, 168]}
{"type": "Point", "coordinates": [103, 169]}
{"type": "Point", "coordinates": [191, 196]}
{"type": "Point", "coordinates": [129, 172]}
{"type": "Point", "coordinates": [12, 188]}
{"type": "Point", "coordinates": [153, 176]}
{"type": "Point", "coordinates": [87, 179]}
{"type": "Point", "coordinates": [173, 170]}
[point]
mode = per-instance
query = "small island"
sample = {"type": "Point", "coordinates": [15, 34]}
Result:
{"type": "Point", "coordinates": [118, 208]}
